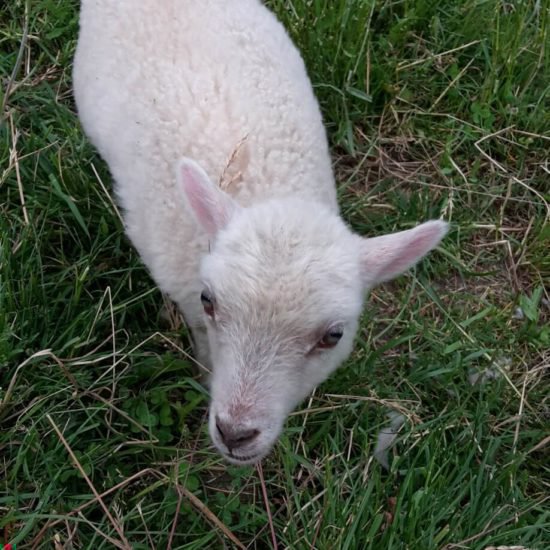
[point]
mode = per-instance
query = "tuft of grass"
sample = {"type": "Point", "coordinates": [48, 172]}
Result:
{"type": "Point", "coordinates": [433, 109]}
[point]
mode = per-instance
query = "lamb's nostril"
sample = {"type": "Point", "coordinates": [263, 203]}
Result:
{"type": "Point", "coordinates": [220, 427]}
{"type": "Point", "coordinates": [245, 436]}
{"type": "Point", "coordinates": [235, 437]}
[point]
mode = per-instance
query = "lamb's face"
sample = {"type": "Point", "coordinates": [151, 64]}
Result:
{"type": "Point", "coordinates": [283, 286]}
{"type": "Point", "coordinates": [282, 294]}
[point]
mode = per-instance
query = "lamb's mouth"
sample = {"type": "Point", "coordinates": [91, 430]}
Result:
{"type": "Point", "coordinates": [243, 459]}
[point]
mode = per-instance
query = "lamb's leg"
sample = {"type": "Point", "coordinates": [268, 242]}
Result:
{"type": "Point", "coordinates": [201, 351]}
{"type": "Point", "coordinates": [201, 348]}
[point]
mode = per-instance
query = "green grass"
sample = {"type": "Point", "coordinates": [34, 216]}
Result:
{"type": "Point", "coordinates": [433, 108]}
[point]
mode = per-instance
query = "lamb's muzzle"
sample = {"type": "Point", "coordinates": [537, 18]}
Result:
{"type": "Point", "coordinates": [236, 442]}
{"type": "Point", "coordinates": [234, 437]}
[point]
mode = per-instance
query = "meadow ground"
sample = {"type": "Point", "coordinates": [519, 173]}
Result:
{"type": "Point", "coordinates": [433, 109]}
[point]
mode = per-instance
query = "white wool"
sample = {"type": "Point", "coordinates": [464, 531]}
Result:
{"type": "Point", "coordinates": [168, 91]}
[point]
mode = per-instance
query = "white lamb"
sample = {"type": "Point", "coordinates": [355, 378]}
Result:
{"type": "Point", "coordinates": [246, 237]}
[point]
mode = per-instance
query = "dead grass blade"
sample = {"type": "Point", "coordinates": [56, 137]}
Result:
{"type": "Point", "coordinates": [267, 507]}
{"type": "Point", "coordinates": [210, 516]}
{"type": "Point", "coordinates": [124, 544]}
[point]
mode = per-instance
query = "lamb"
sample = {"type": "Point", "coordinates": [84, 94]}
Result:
{"type": "Point", "coordinates": [267, 275]}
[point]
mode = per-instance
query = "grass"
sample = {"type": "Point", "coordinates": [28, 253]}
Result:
{"type": "Point", "coordinates": [433, 109]}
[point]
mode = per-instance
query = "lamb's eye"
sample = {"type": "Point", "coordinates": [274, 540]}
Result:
{"type": "Point", "coordinates": [331, 338]}
{"type": "Point", "coordinates": [207, 303]}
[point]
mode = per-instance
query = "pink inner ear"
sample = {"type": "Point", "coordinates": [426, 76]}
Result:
{"type": "Point", "coordinates": [413, 250]}
{"type": "Point", "coordinates": [390, 255]}
{"type": "Point", "coordinates": [197, 195]}
{"type": "Point", "coordinates": [211, 206]}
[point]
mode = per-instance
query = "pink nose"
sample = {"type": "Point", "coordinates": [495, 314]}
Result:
{"type": "Point", "coordinates": [234, 438]}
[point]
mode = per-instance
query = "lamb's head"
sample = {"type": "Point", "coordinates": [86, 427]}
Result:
{"type": "Point", "coordinates": [282, 290]}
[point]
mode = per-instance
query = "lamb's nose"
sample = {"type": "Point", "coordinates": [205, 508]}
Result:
{"type": "Point", "coordinates": [235, 437]}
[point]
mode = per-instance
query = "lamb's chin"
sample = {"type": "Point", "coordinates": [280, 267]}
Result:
{"type": "Point", "coordinates": [245, 460]}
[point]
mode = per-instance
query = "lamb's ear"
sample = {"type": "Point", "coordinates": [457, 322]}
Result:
{"type": "Point", "coordinates": [212, 207]}
{"type": "Point", "coordinates": [386, 257]}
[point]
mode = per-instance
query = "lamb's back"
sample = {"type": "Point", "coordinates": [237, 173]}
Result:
{"type": "Point", "coordinates": [195, 79]}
